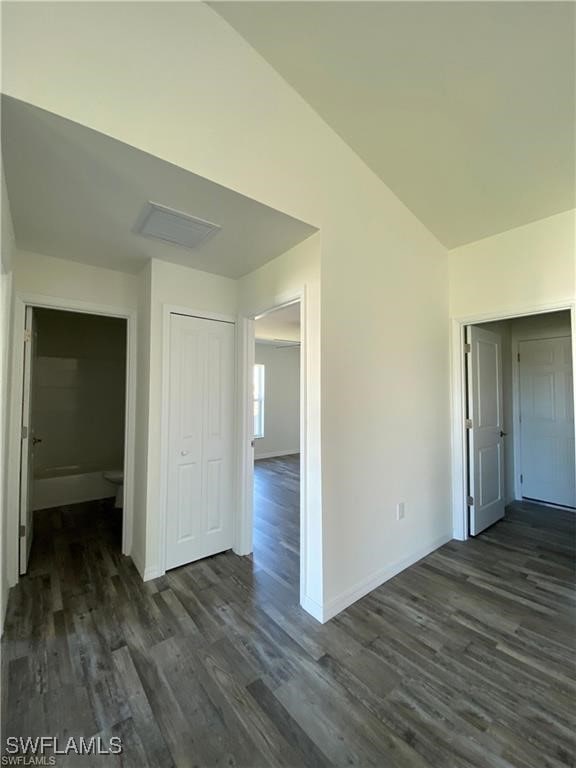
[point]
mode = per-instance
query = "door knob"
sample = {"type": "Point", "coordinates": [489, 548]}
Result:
{"type": "Point", "coordinates": [183, 453]}
{"type": "Point", "coordinates": [503, 434]}
{"type": "Point", "coordinates": [36, 440]}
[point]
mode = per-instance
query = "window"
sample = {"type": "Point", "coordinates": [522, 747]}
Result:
{"type": "Point", "coordinates": [258, 400]}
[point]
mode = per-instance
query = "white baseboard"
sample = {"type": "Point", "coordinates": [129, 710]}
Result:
{"type": "Point", "coordinates": [275, 454]}
{"type": "Point", "coordinates": [339, 603]}
{"type": "Point", "coordinates": [71, 489]}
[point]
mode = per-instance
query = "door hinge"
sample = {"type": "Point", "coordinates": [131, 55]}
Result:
{"type": "Point", "coordinates": [468, 423]}
{"type": "Point", "coordinates": [521, 478]}
{"type": "Point", "coordinates": [470, 501]}
{"type": "Point", "coordinates": [22, 531]}
{"type": "Point", "coordinates": [518, 357]}
{"type": "Point", "coordinates": [467, 349]}
{"type": "Point", "coordinates": [24, 433]}
{"type": "Point", "coordinates": [27, 335]}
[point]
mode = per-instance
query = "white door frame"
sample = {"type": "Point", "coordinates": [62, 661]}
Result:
{"type": "Point", "coordinates": [246, 427]}
{"type": "Point", "coordinates": [458, 400]}
{"type": "Point", "coordinates": [21, 301]}
{"type": "Point", "coordinates": [167, 311]}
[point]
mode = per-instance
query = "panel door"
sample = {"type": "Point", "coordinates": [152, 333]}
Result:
{"type": "Point", "coordinates": [201, 430]}
{"type": "Point", "coordinates": [485, 437]}
{"type": "Point", "coordinates": [547, 421]}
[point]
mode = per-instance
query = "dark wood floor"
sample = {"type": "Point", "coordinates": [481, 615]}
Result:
{"type": "Point", "coordinates": [462, 660]}
{"type": "Point", "coordinates": [277, 519]}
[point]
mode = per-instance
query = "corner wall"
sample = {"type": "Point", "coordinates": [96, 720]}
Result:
{"type": "Point", "coordinates": [384, 394]}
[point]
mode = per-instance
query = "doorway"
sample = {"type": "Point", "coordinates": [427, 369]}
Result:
{"type": "Point", "coordinates": [276, 452]}
{"type": "Point", "coordinates": [518, 399]}
{"type": "Point", "coordinates": [73, 444]}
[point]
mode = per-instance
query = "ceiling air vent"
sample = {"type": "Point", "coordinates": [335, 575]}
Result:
{"type": "Point", "coordinates": [162, 223]}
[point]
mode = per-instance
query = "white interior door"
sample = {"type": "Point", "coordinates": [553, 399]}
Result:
{"type": "Point", "coordinates": [547, 421]}
{"type": "Point", "coordinates": [485, 432]}
{"type": "Point", "coordinates": [27, 445]}
{"type": "Point", "coordinates": [200, 496]}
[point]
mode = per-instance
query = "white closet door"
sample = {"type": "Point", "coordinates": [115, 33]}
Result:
{"type": "Point", "coordinates": [547, 421]}
{"type": "Point", "coordinates": [485, 437]}
{"type": "Point", "coordinates": [200, 494]}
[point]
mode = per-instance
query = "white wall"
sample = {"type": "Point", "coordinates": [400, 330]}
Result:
{"type": "Point", "coordinates": [242, 126]}
{"type": "Point", "coordinates": [42, 275]}
{"type": "Point", "coordinates": [281, 400]}
{"type": "Point", "coordinates": [195, 292]}
{"type": "Point", "coordinates": [6, 259]}
{"type": "Point", "coordinates": [85, 286]}
{"type": "Point", "coordinates": [517, 270]}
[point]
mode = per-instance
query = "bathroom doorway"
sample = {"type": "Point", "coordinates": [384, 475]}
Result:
{"type": "Point", "coordinates": [74, 436]}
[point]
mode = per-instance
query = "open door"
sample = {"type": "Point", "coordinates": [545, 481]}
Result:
{"type": "Point", "coordinates": [27, 449]}
{"type": "Point", "coordinates": [486, 499]}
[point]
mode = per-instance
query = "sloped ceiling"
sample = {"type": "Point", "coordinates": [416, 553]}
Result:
{"type": "Point", "coordinates": [466, 110]}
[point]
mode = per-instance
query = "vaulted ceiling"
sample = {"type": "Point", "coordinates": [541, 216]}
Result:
{"type": "Point", "coordinates": [466, 110]}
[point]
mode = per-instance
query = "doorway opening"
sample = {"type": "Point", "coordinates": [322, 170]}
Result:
{"type": "Point", "coordinates": [73, 446]}
{"type": "Point", "coordinates": [276, 446]}
{"type": "Point", "coordinates": [518, 408]}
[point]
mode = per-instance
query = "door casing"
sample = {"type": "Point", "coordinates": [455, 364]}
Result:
{"type": "Point", "coordinates": [458, 399]}
{"type": "Point", "coordinates": [310, 499]}
{"type": "Point", "coordinates": [21, 301]}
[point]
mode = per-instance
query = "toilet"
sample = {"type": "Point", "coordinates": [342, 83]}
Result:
{"type": "Point", "coordinates": [116, 477]}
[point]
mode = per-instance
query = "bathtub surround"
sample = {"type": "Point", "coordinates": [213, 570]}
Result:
{"type": "Point", "coordinates": [78, 406]}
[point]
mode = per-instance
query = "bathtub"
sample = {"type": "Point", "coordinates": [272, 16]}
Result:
{"type": "Point", "coordinates": [62, 486]}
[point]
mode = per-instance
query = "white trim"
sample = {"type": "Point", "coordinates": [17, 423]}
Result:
{"type": "Point", "coordinates": [152, 572]}
{"type": "Point", "coordinates": [459, 508]}
{"type": "Point", "coordinates": [276, 454]}
{"type": "Point", "coordinates": [362, 588]}
{"type": "Point", "coordinates": [310, 501]}
{"type": "Point", "coordinates": [21, 301]}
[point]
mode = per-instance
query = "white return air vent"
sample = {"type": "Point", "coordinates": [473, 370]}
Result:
{"type": "Point", "coordinates": [162, 223]}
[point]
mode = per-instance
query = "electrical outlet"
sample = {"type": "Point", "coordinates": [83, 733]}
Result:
{"type": "Point", "coordinates": [400, 511]}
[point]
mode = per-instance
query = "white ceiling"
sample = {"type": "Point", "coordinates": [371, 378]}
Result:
{"type": "Point", "coordinates": [77, 194]}
{"type": "Point", "coordinates": [466, 110]}
{"type": "Point", "coordinates": [279, 325]}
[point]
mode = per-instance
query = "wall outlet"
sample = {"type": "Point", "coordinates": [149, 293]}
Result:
{"type": "Point", "coordinates": [400, 511]}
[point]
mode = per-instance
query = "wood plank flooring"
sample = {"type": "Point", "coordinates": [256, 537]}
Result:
{"type": "Point", "coordinates": [463, 660]}
{"type": "Point", "coordinates": [277, 519]}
